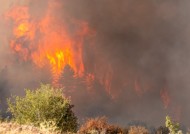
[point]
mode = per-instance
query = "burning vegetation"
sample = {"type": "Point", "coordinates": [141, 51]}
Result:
{"type": "Point", "coordinates": [119, 59]}
{"type": "Point", "coordinates": [46, 41]}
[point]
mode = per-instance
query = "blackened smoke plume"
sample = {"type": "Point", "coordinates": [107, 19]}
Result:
{"type": "Point", "coordinates": [134, 58]}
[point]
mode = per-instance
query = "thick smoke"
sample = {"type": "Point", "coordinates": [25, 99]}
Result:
{"type": "Point", "coordinates": [146, 41]}
{"type": "Point", "coordinates": [143, 46]}
{"type": "Point", "coordinates": [15, 75]}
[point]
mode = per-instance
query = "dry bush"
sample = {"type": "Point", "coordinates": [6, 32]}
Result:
{"type": "Point", "coordinates": [116, 130]}
{"type": "Point", "coordinates": [162, 130]}
{"type": "Point", "coordinates": [138, 130]}
{"type": "Point", "coordinates": [99, 125]}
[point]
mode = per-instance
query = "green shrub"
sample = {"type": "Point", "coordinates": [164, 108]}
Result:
{"type": "Point", "coordinates": [172, 126]}
{"type": "Point", "coordinates": [44, 104]}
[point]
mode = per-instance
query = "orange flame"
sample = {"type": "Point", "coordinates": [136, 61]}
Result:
{"type": "Point", "coordinates": [165, 97]}
{"type": "Point", "coordinates": [138, 88]}
{"type": "Point", "coordinates": [45, 42]}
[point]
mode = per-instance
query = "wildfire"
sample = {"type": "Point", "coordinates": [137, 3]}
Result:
{"type": "Point", "coordinates": [57, 46]}
{"type": "Point", "coordinates": [50, 41]}
{"type": "Point", "coordinates": [137, 88]}
{"type": "Point", "coordinates": [55, 41]}
{"type": "Point", "coordinates": [165, 97]}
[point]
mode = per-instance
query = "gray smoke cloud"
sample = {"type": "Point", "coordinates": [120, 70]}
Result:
{"type": "Point", "coordinates": [143, 40]}
{"type": "Point", "coordinates": [143, 44]}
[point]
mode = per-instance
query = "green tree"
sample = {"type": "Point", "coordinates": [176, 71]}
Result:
{"type": "Point", "coordinates": [172, 126]}
{"type": "Point", "coordinates": [44, 104]}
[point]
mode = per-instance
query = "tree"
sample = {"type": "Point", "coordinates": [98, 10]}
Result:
{"type": "Point", "coordinates": [172, 126]}
{"type": "Point", "coordinates": [44, 104]}
{"type": "Point", "coordinates": [67, 79]}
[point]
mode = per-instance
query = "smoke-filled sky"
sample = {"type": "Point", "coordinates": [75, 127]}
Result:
{"type": "Point", "coordinates": [141, 46]}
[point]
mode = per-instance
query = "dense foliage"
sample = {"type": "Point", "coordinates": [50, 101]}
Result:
{"type": "Point", "coordinates": [44, 106]}
{"type": "Point", "coordinates": [172, 126]}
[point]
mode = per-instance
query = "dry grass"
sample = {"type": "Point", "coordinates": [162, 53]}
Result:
{"type": "Point", "coordinates": [138, 130]}
{"type": "Point", "coordinates": [14, 128]}
{"type": "Point", "coordinates": [92, 126]}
